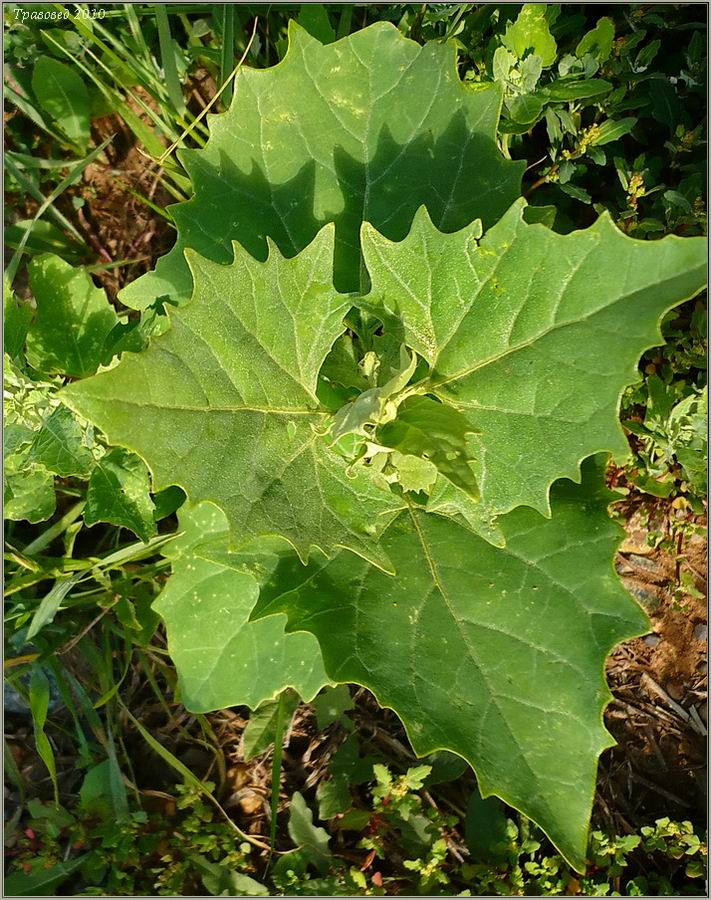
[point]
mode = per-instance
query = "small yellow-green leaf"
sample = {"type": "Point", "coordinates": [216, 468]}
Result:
{"type": "Point", "coordinates": [598, 42]}
{"type": "Point", "coordinates": [530, 33]}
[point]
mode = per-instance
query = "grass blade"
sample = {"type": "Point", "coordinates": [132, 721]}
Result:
{"type": "Point", "coordinates": [27, 186]}
{"type": "Point", "coordinates": [189, 777]}
{"type": "Point", "coordinates": [228, 49]}
{"type": "Point", "coordinates": [39, 706]}
{"type": "Point", "coordinates": [49, 534]}
{"type": "Point", "coordinates": [276, 767]}
{"type": "Point", "coordinates": [119, 798]}
{"type": "Point", "coordinates": [12, 771]}
{"type": "Point", "coordinates": [167, 55]}
{"type": "Point", "coordinates": [74, 175]}
{"type": "Point", "coordinates": [50, 604]}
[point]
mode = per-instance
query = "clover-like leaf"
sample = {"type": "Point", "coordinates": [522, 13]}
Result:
{"type": "Point", "coordinates": [496, 654]}
{"type": "Point", "coordinates": [368, 128]}
{"type": "Point", "coordinates": [224, 404]}
{"type": "Point", "coordinates": [224, 659]}
{"type": "Point", "coordinates": [531, 335]}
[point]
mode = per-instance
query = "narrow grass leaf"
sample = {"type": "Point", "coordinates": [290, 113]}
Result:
{"type": "Point", "coordinates": [228, 50]}
{"type": "Point", "coordinates": [167, 55]}
{"type": "Point", "coordinates": [39, 706]}
{"type": "Point", "coordinates": [50, 604]}
{"type": "Point", "coordinates": [69, 179]}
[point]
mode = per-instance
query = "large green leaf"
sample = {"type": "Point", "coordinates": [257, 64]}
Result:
{"type": "Point", "coordinates": [73, 319]}
{"type": "Point", "coordinates": [224, 404]}
{"type": "Point", "coordinates": [223, 658]}
{"type": "Point", "coordinates": [475, 368]}
{"type": "Point", "coordinates": [495, 654]}
{"type": "Point", "coordinates": [365, 129]}
{"type": "Point", "coordinates": [532, 335]}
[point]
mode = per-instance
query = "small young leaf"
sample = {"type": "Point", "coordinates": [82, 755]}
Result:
{"type": "Point", "coordinates": [525, 108]}
{"type": "Point", "coordinates": [59, 446]}
{"type": "Point", "coordinates": [444, 767]}
{"type": "Point", "coordinates": [119, 493]}
{"type": "Point", "coordinates": [16, 322]}
{"type": "Point", "coordinates": [559, 91]}
{"type": "Point", "coordinates": [530, 32]}
{"type": "Point", "coordinates": [221, 881]}
{"type": "Point", "coordinates": [413, 473]}
{"type": "Point", "coordinates": [50, 603]}
{"type": "Point", "coordinates": [333, 797]}
{"type": "Point", "coordinates": [314, 18]}
{"type": "Point", "coordinates": [311, 840]}
{"type": "Point", "coordinates": [598, 42]}
{"type": "Point", "coordinates": [544, 215]}
{"type": "Point", "coordinates": [331, 704]}
{"type": "Point", "coordinates": [485, 828]}
{"type": "Point", "coordinates": [438, 433]}
{"type": "Point", "coordinates": [666, 107]}
{"type": "Point", "coordinates": [73, 319]}
{"type": "Point", "coordinates": [503, 62]}
{"type": "Point", "coordinates": [62, 94]}
{"type": "Point", "coordinates": [612, 130]}
{"type": "Point", "coordinates": [28, 489]}
{"type": "Point", "coordinates": [259, 734]}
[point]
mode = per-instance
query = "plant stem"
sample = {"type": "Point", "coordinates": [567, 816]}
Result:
{"type": "Point", "coordinates": [276, 767]}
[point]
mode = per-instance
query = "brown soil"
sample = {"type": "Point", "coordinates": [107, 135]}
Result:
{"type": "Point", "coordinates": [116, 224]}
{"type": "Point", "coordinates": [659, 712]}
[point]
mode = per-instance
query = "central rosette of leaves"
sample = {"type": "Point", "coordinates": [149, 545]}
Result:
{"type": "Point", "coordinates": [388, 421]}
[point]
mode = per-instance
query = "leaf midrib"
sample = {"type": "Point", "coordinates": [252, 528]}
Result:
{"type": "Point", "coordinates": [432, 565]}
{"type": "Point", "coordinates": [206, 408]}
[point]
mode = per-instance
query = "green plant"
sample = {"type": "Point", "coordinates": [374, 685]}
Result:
{"type": "Point", "coordinates": [397, 405]}
{"type": "Point", "coordinates": [176, 849]}
{"type": "Point", "coordinates": [614, 131]}
{"type": "Point", "coordinates": [582, 91]}
{"type": "Point", "coordinates": [667, 414]}
{"type": "Point", "coordinates": [409, 843]}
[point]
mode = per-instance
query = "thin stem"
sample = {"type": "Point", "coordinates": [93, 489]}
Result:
{"type": "Point", "coordinates": [276, 767]}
